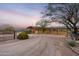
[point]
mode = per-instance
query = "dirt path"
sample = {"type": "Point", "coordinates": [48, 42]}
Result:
{"type": "Point", "coordinates": [37, 45]}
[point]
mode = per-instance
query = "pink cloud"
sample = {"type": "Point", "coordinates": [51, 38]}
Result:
{"type": "Point", "coordinates": [17, 19]}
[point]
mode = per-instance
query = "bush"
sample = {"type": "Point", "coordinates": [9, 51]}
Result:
{"type": "Point", "coordinates": [72, 43]}
{"type": "Point", "coordinates": [22, 36]}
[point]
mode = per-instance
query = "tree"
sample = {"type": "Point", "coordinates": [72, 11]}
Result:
{"type": "Point", "coordinates": [68, 13]}
{"type": "Point", "coordinates": [10, 29]}
{"type": "Point", "coordinates": [43, 24]}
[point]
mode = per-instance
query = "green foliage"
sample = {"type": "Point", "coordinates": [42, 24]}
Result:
{"type": "Point", "coordinates": [22, 36]}
{"type": "Point", "coordinates": [42, 23]}
{"type": "Point", "coordinates": [72, 43]}
{"type": "Point", "coordinates": [28, 31]}
{"type": "Point", "coordinates": [8, 30]}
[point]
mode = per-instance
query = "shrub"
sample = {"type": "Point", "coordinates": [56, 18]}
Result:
{"type": "Point", "coordinates": [22, 36]}
{"type": "Point", "coordinates": [72, 43]}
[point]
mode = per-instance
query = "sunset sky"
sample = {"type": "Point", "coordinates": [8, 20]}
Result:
{"type": "Point", "coordinates": [21, 15]}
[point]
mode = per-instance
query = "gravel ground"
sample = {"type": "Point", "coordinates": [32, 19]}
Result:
{"type": "Point", "coordinates": [36, 45]}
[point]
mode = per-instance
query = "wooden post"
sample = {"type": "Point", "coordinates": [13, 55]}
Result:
{"type": "Point", "coordinates": [14, 35]}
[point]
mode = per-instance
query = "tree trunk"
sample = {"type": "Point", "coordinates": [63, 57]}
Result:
{"type": "Point", "coordinates": [43, 30]}
{"type": "Point", "coordinates": [75, 33]}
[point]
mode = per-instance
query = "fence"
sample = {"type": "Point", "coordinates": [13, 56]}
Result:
{"type": "Point", "coordinates": [5, 37]}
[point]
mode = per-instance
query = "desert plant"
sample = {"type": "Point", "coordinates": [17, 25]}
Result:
{"type": "Point", "coordinates": [71, 43]}
{"type": "Point", "coordinates": [22, 36]}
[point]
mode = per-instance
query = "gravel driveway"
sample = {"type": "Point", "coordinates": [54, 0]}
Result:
{"type": "Point", "coordinates": [36, 45]}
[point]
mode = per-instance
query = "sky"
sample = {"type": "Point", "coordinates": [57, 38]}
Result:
{"type": "Point", "coordinates": [21, 14]}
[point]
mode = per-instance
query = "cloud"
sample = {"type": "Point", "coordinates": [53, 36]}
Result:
{"type": "Point", "coordinates": [21, 15]}
{"type": "Point", "coordinates": [18, 19]}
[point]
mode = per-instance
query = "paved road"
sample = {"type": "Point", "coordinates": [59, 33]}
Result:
{"type": "Point", "coordinates": [36, 45]}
